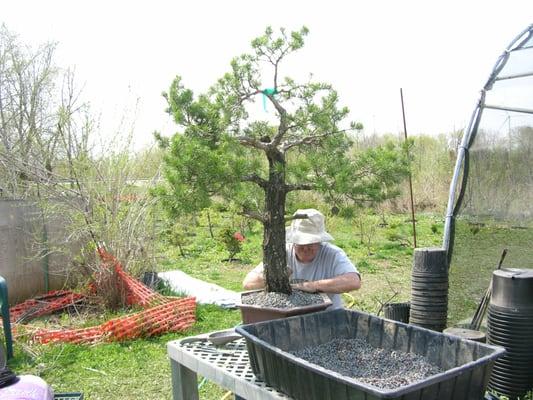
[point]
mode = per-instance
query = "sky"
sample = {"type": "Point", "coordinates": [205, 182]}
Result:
{"type": "Point", "coordinates": [126, 53]}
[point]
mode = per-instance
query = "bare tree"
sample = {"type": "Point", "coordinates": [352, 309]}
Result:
{"type": "Point", "coordinates": [47, 156]}
{"type": "Point", "coordinates": [27, 109]}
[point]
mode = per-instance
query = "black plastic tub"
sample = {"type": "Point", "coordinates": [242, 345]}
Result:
{"type": "Point", "coordinates": [467, 364]}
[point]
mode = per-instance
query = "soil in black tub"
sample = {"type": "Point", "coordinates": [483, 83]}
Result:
{"type": "Point", "coordinates": [382, 368]}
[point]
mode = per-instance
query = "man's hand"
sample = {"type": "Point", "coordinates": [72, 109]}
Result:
{"type": "Point", "coordinates": [338, 284]}
{"type": "Point", "coordinates": [310, 287]}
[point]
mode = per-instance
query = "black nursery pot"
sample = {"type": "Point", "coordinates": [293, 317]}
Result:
{"type": "Point", "coordinates": [397, 311]}
{"type": "Point", "coordinates": [466, 364]}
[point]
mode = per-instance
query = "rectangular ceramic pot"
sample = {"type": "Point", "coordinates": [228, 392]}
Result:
{"type": "Point", "coordinates": [252, 313]}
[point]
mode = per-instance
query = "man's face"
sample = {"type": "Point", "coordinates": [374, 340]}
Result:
{"type": "Point", "coordinates": [306, 253]}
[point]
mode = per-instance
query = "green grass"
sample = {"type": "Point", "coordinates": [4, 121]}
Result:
{"type": "Point", "coordinates": [476, 254]}
{"type": "Point", "coordinates": [383, 251]}
{"type": "Point", "coordinates": [136, 369]}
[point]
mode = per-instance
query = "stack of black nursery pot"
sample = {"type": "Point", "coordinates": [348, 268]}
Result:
{"type": "Point", "coordinates": [510, 324]}
{"type": "Point", "coordinates": [429, 289]}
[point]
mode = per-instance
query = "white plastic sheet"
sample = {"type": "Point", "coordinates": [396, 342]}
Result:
{"type": "Point", "coordinates": [205, 293]}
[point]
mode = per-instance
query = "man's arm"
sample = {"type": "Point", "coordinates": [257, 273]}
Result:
{"type": "Point", "coordinates": [253, 280]}
{"type": "Point", "coordinates": [338, 284]}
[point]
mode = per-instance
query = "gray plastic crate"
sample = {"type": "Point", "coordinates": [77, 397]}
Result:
{"type": "Point", "coordinates": [466, 364]}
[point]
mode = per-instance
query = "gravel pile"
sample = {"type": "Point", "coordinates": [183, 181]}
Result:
{"type": "Point", "coordinates": [355, 358]}
{"type": "Point", "coordinates": [281, 300]}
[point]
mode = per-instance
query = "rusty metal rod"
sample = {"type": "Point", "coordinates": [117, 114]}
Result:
{"type": "Point", "coordinates": [410, 179]}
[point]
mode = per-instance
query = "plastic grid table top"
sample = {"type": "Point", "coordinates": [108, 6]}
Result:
{"type": "Point", "coordinates": [231, 359]}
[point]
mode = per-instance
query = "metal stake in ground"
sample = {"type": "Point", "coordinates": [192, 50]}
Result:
{"type": "Point", "coordinates": [482, 307]}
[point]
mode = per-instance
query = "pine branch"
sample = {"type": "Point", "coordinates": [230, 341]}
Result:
{"type": "Point", "coordinates": [255, 179]}
{"type": "Point", "coordinates": [251, 142]}
{"type": "Point", "coordinates": [301, 186]}
{"type": "Point", "coordinates": [254, 215]}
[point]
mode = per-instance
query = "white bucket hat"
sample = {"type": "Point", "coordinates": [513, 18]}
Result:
{"type": "Point", "coordinates": [308, 230]}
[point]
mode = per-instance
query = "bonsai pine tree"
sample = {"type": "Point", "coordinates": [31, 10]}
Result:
{"type": "Point", "coordinates": [228, 148]}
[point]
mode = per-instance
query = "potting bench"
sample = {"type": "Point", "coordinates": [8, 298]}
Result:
{"type": "Point", "coordinates": [226, 366]}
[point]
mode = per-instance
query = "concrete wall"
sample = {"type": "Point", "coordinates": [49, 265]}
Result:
{"type": "Point", "coordinates": [21, 264]}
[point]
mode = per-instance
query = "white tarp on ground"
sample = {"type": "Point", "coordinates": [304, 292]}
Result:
{"type": "Point", "coordinates": [205, 293]}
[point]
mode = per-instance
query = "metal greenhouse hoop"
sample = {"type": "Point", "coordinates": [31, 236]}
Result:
{"type": "Point", "coordinates": [460, 176]}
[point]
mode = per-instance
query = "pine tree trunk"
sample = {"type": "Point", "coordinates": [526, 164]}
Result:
{"type": "Point", "coordinates": [274, 252]}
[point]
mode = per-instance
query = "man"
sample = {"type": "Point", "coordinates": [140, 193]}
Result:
{"type": "Point", "coordinates": [322, 266]}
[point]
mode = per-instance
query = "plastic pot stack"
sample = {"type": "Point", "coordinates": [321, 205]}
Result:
{"type": "Point", "coordinates": [510, 325]}
{"type": "Point", "coordinates": [429, 289]}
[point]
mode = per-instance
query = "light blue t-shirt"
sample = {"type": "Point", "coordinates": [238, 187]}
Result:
{"type": "Point", "coordinates": [329, 262]}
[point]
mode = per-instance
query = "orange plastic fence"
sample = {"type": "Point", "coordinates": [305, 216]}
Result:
{"type": "Point", "coordinates": [174, 316]}
{"type": "Point", "coordinates": [136, 292]}
{"type": "Point", "coordinates": [43, 305]}
{"type": "Point", "coordinates": [161, 314]}
{"type": "Point", "coordinates": [81, 335]}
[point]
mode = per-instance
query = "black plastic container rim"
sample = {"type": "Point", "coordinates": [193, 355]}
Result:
{"type": "Point", "coordinates": [525, 323]}
{"type": "Point", "coordinates": [517, 387]}
{"type": "Point", "coordinates": [523, 312]}
{"type": "Point", "coordinates": [513, 353]}
{"type": "Point", "coordinates": [424, 294]}
{"type": "Point", "coordinates": [429, 287]}
{"type": "Point", "coordinates": [428, 321]}
{"type": "Point", "coordinates": [425, 308]}
{"type": "Point", "coordinates": [503, 327]}
{"type": "Point", "coordinates": [450, 373]}
{"type": "Point", "coordinates": [437, 301]}
{"type": "Point", "coordinates": [514, 357]}
{"type": "Point", "coordinates": [511, 387]}
{"type": "Point", "coordinates": [430, 293]}
{"type": "Point", "coordinates": [515, 373]}
{"type": "Point", "coordinates": [429, 278]}
{"type": "Point", "coordinates": [513, 336]}
{"type": "Point", "coordinates": [515, 318]}
{"type": "Point", "coordinates": [432, 313]}
{"type": "Point", "coordinates": [441, 308]}
{"type": "Point", "coordinates": [397, 305]}
{"type": "Point", "coordinates": [515, 377]}
{"type": "Point", "coordinates": [524, 343]}
{"type": "Point", "coordinates": [508, 391]}
{"type": "Point", "coordinates": [519, 319]}
{"type": "Point", "coordinates": [505, 359]}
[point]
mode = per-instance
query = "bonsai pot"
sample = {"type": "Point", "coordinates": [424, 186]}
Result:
{"type": "Point", "coordinates": [255, 313]}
